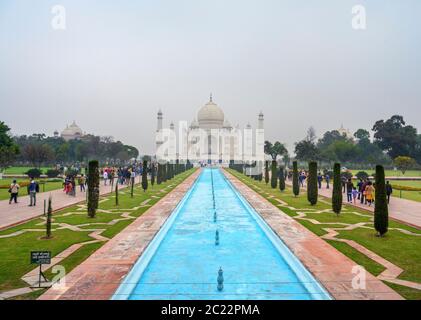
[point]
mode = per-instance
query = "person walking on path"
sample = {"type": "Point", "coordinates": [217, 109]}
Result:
{"type": "Point", "coordinates": [320, 179]}
{"type": "Point", "coordinates": [363, 197]}
{"type": "Point", "coordinates": [105, 176]}
{"type": "Point", "coordinates": [349, 188]}
{"type": "Point", "coordinates": [33, 188]}
{"type": "Point", "coordinates": [355, 193]}
{"type": "Point", "coordinates": [327, 178]}
{"type": "Point", "coordinates": [14, 190]}
{"type": "Point", "coordinates": [389, 191]}
{"type": "Point", "coordinates": [81, 182]}
{"type": "Point", "coordinates": [344, 181]}
{"type": "Point", "coordinates": [369, 193]}
{"type": "Point", "coordinates": [359, 187]}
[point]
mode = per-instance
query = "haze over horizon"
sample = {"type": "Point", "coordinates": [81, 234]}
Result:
{"type": "Point", "coordinates": [117, 64]}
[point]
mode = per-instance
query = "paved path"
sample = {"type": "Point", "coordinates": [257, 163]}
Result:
{"type": "Point", "coordinates": [403, 210]}
{"type": "Point", "coordinates": [99, 276]}
{"type": "Point", "coordinates": [332, 268]}
{"type": "Point", "coordinates": [13, 214]}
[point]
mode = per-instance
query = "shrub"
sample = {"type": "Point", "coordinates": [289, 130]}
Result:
{"type": "Point", "coordinates": [362, 175]}
{"type": "Point", "coordinates": [52, 173]}
{"type": "Point", "coordinates": [273, 178]}
{"type": "Point", "coordinates": [312, 191]}
{"type": "Point", "coordinates": [295, 185]}
{"type": "Point", "coordinates": [93, 188]}
{"type": "Point", "coordinates": [159, 174]}
{"type": "Point", "coordinates": [116, 193]}
{"type": "Point", "coordinates": [337, 189]}
{"type": "Point", "coordinates": [381, 210]}
{"type": "Point", "coordinates": [48, 222]}
{"type": "Point", "coordinates": [34, 173]}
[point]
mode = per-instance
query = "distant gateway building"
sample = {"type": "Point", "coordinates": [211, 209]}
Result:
{"type": "Point", "coordinates": [71, 132]}
{"type": "Point", "coordinates": [210, 139]}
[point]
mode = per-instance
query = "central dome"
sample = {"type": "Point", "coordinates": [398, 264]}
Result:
{"type": "Point", "coordinates": [210, 116]}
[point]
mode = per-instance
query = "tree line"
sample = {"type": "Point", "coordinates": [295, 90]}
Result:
{"type": "Point", "coordinates": [39, 149]}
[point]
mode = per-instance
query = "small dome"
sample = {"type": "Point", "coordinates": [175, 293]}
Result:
{"type": "Point", "coordinates": [227, 124]}
{"type": "Point", "coordinates": [194, 124]}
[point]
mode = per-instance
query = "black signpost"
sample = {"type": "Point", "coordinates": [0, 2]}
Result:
{"type": "Point", "coordinates": [40, 258]}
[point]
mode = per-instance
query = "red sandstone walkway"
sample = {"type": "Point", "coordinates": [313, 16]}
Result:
{"type": "Point", "coordinates": [98, 277]}
{"type": "Point", "coordinates": [332, 268]}
{"type": "Point", "coordinates": [403, 210]}
{"type": "Point", "coordinates": [12, 214]}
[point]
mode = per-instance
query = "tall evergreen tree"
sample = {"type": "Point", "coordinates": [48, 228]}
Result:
{"type": "Point", "coordinates": [153, 173]}
{"type": "Point", "coordinates": [281, 179]}
{"type": "Point", "coordinates": [159, 174]}
{"type": "Point", "coordinates": [116, 193]}
{"type": "Point", "coordinates": [295, 184]}
{"type": "Point", "coordinates": [312, 189]}
{"type": "Point", "coordinates": [274, 178]}
{"type": "Point", "coordinates": [93, 188]}
{"type": "Point", "coordinates": [49, 215]}
{"type": "Point", "coordinates": [266, 172]}
{"type": "Point", "coordinates": [145, 175]}
{"type": "Point", "coordinates": [381, 211]}
{"type": "Point", "coordinates": [337, 189]}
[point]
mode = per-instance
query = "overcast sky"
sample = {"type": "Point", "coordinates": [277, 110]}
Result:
{"type": "Point", "coordinates": [118, 62]}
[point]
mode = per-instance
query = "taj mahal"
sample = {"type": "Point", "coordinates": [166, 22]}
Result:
{"type": "Point", "coordinates": [210, 138]}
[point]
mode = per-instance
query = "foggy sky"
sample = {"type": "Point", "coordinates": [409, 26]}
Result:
{"type": "Point", "coordinates": [118, 62]}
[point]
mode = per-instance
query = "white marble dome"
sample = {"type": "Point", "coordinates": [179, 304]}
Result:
{"type": "Point", "coordinates": [210, 116]}
{"type": "Point", "coordinates": [72, 132]}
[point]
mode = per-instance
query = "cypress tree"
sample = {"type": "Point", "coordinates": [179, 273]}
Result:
{"type": "Point", "coordinates": [274, 178]}
{"type": "Point", "coordinates": [164, 172]}
{"type": "Point", "coordinates": [153, 169]}
{"type": "Point", "coordinates": [266, 172]}
{"type": "Point", "coordinates": [337, 189]}
{"type": "Point", "coordinates": [159, 174]}
{"type": "Point", "coordinates": [93, 188]}
{"type": "Point", "coordinates": [295, 184]}
{"type": "Point", "coordinates": [281, 179]}
{"type": "Point", "coordinates": [381, 211]}
{"type": "Point", "coordinates": [145, 176]}
{"type": "Point", "coordinates": [312, 191]}
{"type": "Point", "coordinates": [116, 193]}
{"type": "Point", "coordinates": [48, 222]}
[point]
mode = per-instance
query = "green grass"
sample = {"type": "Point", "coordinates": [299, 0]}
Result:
{"type": "Point", "coordinates": [401, 249]}
{"type": "Point", "coordinates": [14, 251]}
{"type": "Point", "coordinates": [22, 170]}
{"type": "Point", "coordinates": [392, 173]}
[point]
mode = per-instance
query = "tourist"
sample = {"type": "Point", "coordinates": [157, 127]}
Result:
{"type": "Point", "coordinates": [355, 193]}
{"type": "Point", "coordinates": [81, 182]}
{"type": "Point", "coordinates": [73, 184]}
{"type": "Point", "coordinates": [320, 179]}
{"type": "Point", "coordinates": [14, 190]}
{"type": "Point", "coordinates": [132, 177]}
{"type": "Point", "coordinates": [33, 188]}
{"type": "Point", "coordinates": [359, 186]}
{"type": "Point", "coordinates": [349, 188]}
{"type": "Point", "coordinates": [105, 176]}
{"type": "Point", "coordinates": [369, 193]}
{"type": "Point", "coordinates": [389, 191]}
{"type": "Point", "coordinates": [344, 181]}
{"type": "Point", "coordinates": [363, 197]}
{"type": "Point", "coordinates": [327, 178]}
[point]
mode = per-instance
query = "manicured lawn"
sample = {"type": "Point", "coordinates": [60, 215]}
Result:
{"type": "Point", "coordinates": [48, 186]}
{"type": "Point", "coordinates": [399, 248]}
{"type": "Point", "coordinates": [22, 170]}
{"type": "Point", "coordinates": [393, 173]}
{"type": "Point", "coordinates": [15, 250]}
{"type": "Point", "coordinates": [410, 195]}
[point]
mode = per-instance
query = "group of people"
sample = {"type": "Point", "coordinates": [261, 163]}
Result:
{"type": "Point", "coordinates": [363, 191]}
{"type": "Point", "coordinates": [33, 189]}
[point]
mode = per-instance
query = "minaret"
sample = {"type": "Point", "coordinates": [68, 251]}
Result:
{"type": "Point", "coordinates": [260, 139]}
{"type": "Point", "coordinates": [159, 138]}
{"type": "Point", "coordinates": [159, 127]}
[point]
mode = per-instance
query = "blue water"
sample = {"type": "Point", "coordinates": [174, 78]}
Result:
{"type": "Point", "coordinates": [183, 261]}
